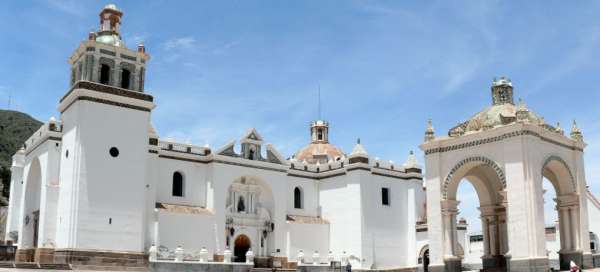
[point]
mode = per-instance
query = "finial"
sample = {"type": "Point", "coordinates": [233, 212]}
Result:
{"type": "Point", "coordinates": [141, 47]}
{"type": "Point", "coordinates": [319, 101]}
{"type": "Point", "coordinates": [429, 132]}
{"type": "Point", "coordinates": [558, 128]}
{"type": "Point", "coordinates": [576, 133]}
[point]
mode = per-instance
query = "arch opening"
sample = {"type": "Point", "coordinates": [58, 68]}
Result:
{"type": "Point", "coordinates": [178, 184]}
{"type": "Point", "coordinates": [125, 79]}
{"type": "Point", "coordinates": [31, 209]}
{"type": "Point", "coordinates": [241, 246]}
{"type": "Point", "coordinates": [561, 214]}
{"type": "Point", "coordinates": [298, 201]}
{"type": "Point", "coordinates": [481, 182]}
{"type": "Point", "coordinates": [104, 74]}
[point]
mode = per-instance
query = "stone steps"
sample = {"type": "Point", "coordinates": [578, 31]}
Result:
{"type": "Point", "coordinates": [63, 266]}
{"type": "Point", "coordinates": [7, 264]}
{"type": "Point", "coordinates": [27, 265]}
{"type": "Point", "coordinates": [110, 268]}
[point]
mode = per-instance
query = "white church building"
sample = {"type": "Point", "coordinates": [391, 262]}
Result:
{"type": "Point", "coordinates": [98, 187]}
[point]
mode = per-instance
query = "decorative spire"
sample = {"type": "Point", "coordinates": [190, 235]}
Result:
{"type": "Point", "coordinates": [359, 150]}
{"type": "Point", "coordinates": [558, 129]}
{"type": "Point", "coordinates": [576, 132]}
{"type": "Point", "coordinates": [359, 154]}
{"type": "Point", "coordinates": [429, 132]}
{"type": "Point", "coordinates": [522, 111]}
{"type": "Point", "coordinates": [411, 164]}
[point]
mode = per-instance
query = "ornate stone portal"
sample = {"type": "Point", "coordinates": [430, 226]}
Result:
{"type": "Point", "coordinates": [505, 151]}
{"type": "Point", "coordinates": [248, 225]}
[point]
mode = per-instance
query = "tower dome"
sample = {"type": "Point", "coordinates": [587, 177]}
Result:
{"type": "Point", "coordinates": [110, 21]}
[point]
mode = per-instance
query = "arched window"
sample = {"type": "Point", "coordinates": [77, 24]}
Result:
{"type": "Point", "coordinates": [241, 207]}
{"type": "Point", "coordinates": [177, 184]}
{"type": "Point", "coordinates": [297, 198]}
{"type": "Point", "coordinates": [320, 134]}
{"type": "Point", "coordinates": [251, 154]}
{"type": "Point", "coordinates": [104, 74]}
{"type": "Point", "coordinates": [125, 78]}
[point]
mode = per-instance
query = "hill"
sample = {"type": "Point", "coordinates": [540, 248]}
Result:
{"type": "Point", "coordinates": [15, 128]}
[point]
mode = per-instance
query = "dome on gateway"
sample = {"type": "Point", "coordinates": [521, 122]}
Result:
{"type": "Point", "coordinates": [502, 112]}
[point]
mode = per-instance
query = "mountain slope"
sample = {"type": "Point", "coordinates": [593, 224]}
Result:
{"type": "Point", "coordinates": [15, 128]}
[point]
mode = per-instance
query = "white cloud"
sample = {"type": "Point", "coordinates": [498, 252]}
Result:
{"type": "Point", "coordinates": [68, 6]}
{"type": "Point", "coordinates": [180, 43]}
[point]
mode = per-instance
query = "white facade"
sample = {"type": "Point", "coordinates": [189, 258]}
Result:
{"type": "Point", "coordinates": [100, 179]}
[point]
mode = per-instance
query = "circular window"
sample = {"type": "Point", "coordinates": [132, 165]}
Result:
{"type": "Point", "coordinates": [114, 151]}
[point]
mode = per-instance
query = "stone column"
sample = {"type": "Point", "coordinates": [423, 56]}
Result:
{"type": "Point", "coordinates": [493, 229]}
{"type": "Point", "coordinates": [486, 237]}
{"type": "Point", "coordinates": [449, 212]}
{"type": "Point", "coordinates": [574, 216]}
{"type": "Point", "coordinates": [503, 243]}
{"type": "Point", "coordinates": [566, 223]}
{"type": "Point", "coordinates": [561, 226]}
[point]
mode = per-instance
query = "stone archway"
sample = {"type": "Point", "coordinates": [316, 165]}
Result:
{"type": "Point", "coordinates": [557, 171]}
{"type": "Point", "coordinates": [518, 142]}
{"type": "Point", "coordinates": [489, 182]}
{"type": "Point", "coordinates": [241, 245]}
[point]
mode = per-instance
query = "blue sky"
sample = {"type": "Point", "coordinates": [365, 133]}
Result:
{"type": "Point", "coordinates": [384, 67]}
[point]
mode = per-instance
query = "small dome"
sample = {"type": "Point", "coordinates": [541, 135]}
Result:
{"type": "Point", "coordinates": [319, 152]}
{"type": "Point", "coordinates": [111, 39]}
{"type": "Point", "coordinates": [111, 6]}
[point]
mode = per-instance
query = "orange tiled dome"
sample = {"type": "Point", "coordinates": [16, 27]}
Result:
{"type": "Point", "coordinates": [319, 152]}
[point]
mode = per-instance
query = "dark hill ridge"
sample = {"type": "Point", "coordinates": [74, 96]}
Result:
{"type": "Point", "coordinates": [15, 128]}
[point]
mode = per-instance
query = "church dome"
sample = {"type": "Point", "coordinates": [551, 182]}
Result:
{"type": "Point", "coordinates": [319, 152]}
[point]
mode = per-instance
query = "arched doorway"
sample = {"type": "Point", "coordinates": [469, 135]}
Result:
{"type": "Point", "coordinates": [424, 258]}
{"type": "Point", "coordinates": [487, 178]}
{"type": "Point", "coordinates": [240, 247]}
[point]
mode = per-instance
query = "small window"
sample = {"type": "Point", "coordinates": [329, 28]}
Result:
{"type": "Point", "coordinates": [297, 198]}
{"type": "Point", "coordinates": [114, 152]}
{"type": "Point", "coordinates": [104, 74]}
{"type": "Point", "coordinates": [177, 184]}
{"type": "Point", "coordinates": [241, 207]}
{"type": "Point", "coordinates": [125, 79]}
{"type": "Point", "coordinates": [320, 134]}
{"type": "Point", "coordinates": [385, 196]}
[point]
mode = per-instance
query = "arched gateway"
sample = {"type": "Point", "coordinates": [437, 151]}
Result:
{"type": "Point", "coordinates": [505, 151]}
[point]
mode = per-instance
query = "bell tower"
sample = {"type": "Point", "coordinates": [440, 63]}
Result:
{"type": "Point", "coordinates": [502, 91]}
{"type": "Point", "coordinates": [319, 132]}
{"type": "Point", "coordinates": [106, 118]}
{"type": "Point", "coordinates": [105, 59]}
